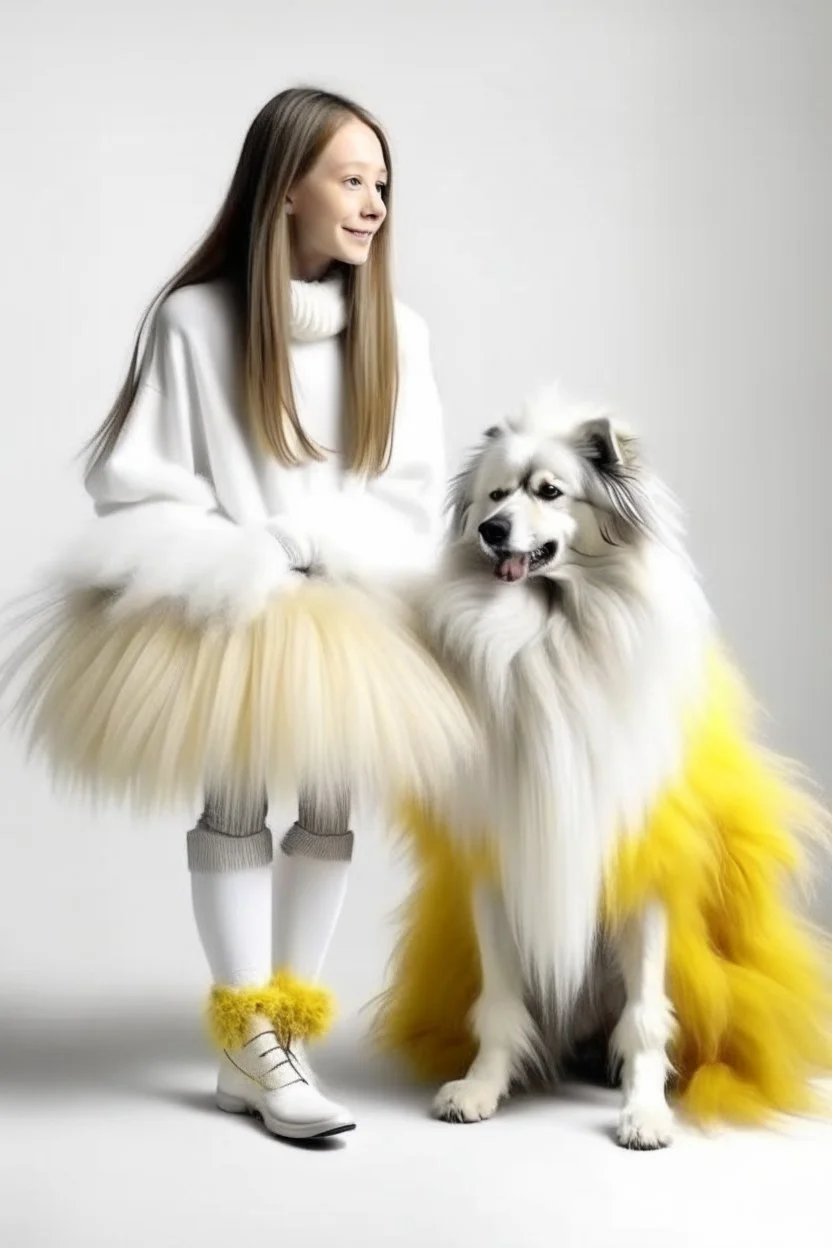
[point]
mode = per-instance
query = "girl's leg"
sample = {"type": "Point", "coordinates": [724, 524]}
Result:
{"type": "Point", "coordinates": [256, 1018]}
{"type": "Point", "coordinates": [310, 883]}
{"type": "Point", "coordinates": [230, 861]}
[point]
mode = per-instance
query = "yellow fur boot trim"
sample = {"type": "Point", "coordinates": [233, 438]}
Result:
{"type": "Point", "coordinates": [297, 1010]}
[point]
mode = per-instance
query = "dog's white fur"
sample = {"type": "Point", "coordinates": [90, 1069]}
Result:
{"type": "Point", "coordinates": [579, 673]}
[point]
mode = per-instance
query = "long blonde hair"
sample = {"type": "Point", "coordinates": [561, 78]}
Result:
{"type": "Point", "coordinates": [249, 243]}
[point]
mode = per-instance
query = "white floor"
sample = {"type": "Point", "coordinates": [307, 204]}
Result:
{"type": "Point", "coordinates": [108, 1136]}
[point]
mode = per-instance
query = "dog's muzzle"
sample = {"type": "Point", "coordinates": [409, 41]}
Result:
{"type": "Point", "coordinates": [496, 532]}
{"type": "Point", "coordinates": [512, 565]}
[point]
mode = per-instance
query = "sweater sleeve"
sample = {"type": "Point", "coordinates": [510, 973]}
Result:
{"type": "Point", "coordinates": [160, 533]}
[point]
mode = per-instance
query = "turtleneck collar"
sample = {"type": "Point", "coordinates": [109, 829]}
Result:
{"type": "Point", "coordinates": [319, 309]}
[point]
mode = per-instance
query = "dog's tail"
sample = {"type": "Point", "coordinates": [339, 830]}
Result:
{"type": "Point", "coordinates": [748, 976]}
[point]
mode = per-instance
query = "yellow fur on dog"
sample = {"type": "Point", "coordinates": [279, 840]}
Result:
{"type": "Point", "coordinates": [749, 980]}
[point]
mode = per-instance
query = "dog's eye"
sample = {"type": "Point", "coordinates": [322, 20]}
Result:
{"type": "Point", "coordinates": [496, 495]}
{"type": "Point", "coordinates": [548, 491]}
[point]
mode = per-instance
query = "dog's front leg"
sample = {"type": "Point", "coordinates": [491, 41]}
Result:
{"type": "Point", "coordinates": [501, 1023]}
{"type": "Point", "coordinates": [643, 1032]}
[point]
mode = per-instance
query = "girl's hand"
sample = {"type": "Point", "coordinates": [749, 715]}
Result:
{"type": "Point", "coordinates": [303, 549]}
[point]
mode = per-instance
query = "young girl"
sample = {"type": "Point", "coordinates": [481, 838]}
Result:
{"type": "Point", "coordinates": [282, 418]}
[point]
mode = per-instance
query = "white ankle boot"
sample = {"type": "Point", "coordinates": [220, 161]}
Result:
{"type": "Point", "coordinates": [262, 1077]}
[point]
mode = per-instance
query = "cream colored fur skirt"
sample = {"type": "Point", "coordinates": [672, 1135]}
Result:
{"type": "Point", "coordinates": [327, 686]}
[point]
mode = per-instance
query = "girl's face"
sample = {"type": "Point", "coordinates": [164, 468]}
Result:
{"type": "Point", "coordinates": [338, 206]}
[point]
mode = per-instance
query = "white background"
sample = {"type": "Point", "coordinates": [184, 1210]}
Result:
{"type": "Point", "coordinates": [632, 197]}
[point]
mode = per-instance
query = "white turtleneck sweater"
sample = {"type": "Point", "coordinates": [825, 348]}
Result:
{"type": "Point", "coordinates": [190, 508]}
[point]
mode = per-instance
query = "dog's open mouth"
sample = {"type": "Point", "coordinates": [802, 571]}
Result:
{"type": "Point", "coordinates": [512, 566]}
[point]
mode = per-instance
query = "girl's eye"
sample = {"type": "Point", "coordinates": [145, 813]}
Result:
{"type": "Point", "coordinates": [353, 180]}
{"type": "Point", "coordinates": [496, 495]}
{"type": "Point", "coordinates": [548, 490]}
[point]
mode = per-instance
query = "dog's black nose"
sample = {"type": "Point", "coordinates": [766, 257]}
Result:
{"type": "Point", "coordinates": [494, 532]}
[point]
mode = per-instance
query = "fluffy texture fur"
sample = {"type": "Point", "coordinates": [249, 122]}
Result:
{"type": "Point", "coordinates": [326, 687]}
{"type": "Point", "coordinates": [580, 675]}
{"type": "Point", "coordinates": [747, 977]}
{"type": "Point", "coordinates": [297, 1010]}
{"type": "Point", "coordinates": [180, 552]}
{"type": "Point", "coordinates": [621, 818]}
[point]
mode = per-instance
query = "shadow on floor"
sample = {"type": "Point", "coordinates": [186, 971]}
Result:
{"type": "Point", "coordinates": [140, 1048]}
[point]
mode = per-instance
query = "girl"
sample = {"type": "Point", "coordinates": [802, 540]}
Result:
{"type": "Point", "coordinates": [282, 418]}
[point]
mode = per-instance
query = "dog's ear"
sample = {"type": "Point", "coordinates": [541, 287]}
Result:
{"type": "Point", "coordinates": [460, 494]}
{"type": "Point", "coordinates": [597, 441]}
{"type": "Point", "coordinates": [459, 497]}
{"type": "Point", "coordinates": [458, 501]}
{"type": "Point", "coordinates": [616, 481]}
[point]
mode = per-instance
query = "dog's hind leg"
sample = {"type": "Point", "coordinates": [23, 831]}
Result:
{"type": "Point", "coordinates": [642, 1034]}
{"type": "Point", "coordinates": [500, 1020]}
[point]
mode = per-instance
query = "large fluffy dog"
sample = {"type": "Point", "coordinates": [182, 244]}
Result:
{"type": "Point", "coordinates": [613, 864]}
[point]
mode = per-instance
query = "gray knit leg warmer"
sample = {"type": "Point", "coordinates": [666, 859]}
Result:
{"type": "Point", "coordinates": [322, 828]}
{"type": "Point", "coordinates": [230, 838]}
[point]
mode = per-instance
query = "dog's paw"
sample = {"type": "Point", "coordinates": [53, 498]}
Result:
{"type": "Point", "coordinates": [466, 1100]}
{"type": "Point", "coordinates": [645, 1127]}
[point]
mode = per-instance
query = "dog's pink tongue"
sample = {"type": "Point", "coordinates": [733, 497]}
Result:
{"type": "Point", "coordinates": [514, 568]}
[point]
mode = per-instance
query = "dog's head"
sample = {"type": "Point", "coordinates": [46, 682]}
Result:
{"type": "Point", "coordinates": [551, 486]}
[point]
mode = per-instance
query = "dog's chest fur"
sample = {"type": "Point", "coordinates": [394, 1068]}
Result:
{"type": "Point", "coordinates": [578, 690]}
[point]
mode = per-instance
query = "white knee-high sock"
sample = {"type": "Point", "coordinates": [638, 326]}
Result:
{"type": "Point", "coordinates": [233, 912]}
{"type": "Point", "coordinates": [308, 897]}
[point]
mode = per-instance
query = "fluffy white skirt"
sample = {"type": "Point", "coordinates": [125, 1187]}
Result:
{"type": "Point", "coordinates": [327, 686]}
